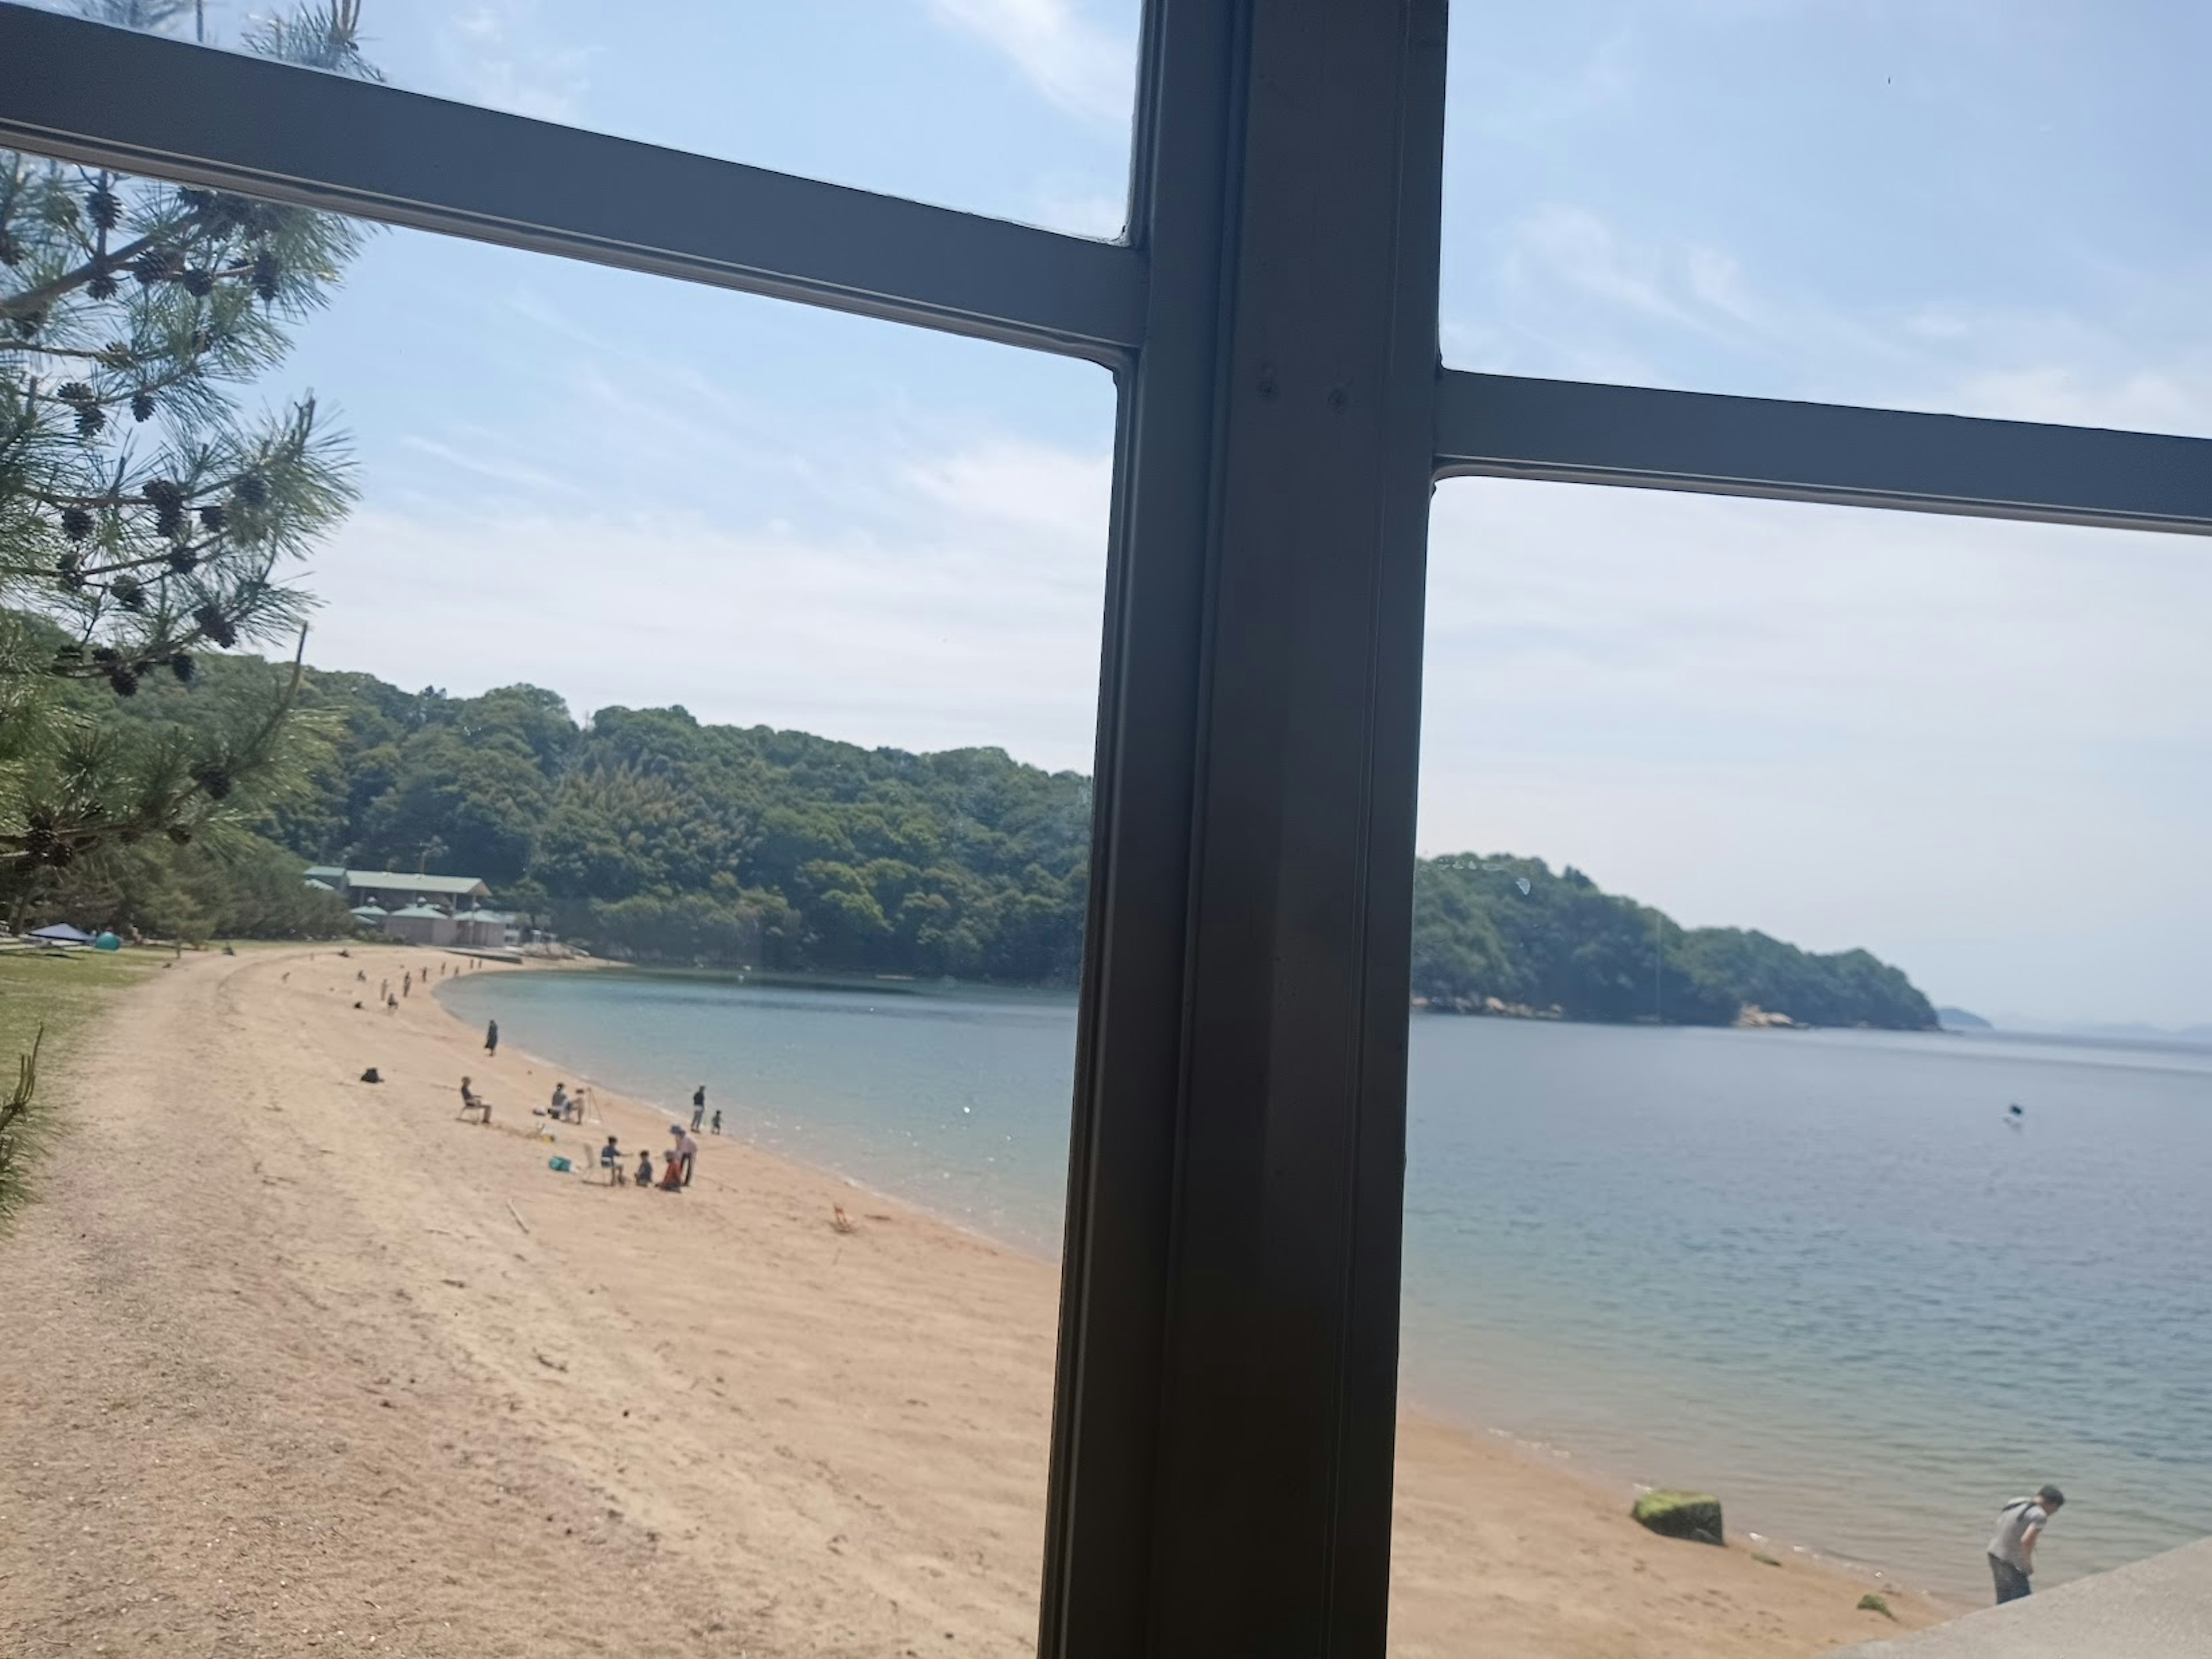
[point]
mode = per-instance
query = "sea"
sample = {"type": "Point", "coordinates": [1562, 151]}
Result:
{"type": "Point", "coordinates": [1830, 1276]}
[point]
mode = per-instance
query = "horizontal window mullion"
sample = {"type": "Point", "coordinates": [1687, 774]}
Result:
{"type": "Point", "coordinates": [144, 104]}
{"type": "Point", "coordinates": [1569, 432]}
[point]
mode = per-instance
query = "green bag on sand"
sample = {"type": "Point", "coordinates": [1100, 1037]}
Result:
{"type": "Point", "coordinates": [561, 1164]}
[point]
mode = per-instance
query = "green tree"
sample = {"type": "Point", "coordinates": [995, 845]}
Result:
{"type": "Point", "coordinates": [145, 513]}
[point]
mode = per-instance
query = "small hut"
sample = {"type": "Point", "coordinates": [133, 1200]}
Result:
{"type": "Point", "coordinates": [420, 924]}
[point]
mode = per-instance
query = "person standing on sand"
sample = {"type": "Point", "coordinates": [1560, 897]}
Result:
{"type": "Point", "coordinates": [687, 1153]}
{"type": "Point", "coordinates": [491, 1036]}
{"type": "Point", "coordinates": [698, 1107]}
{"type": "Point", "coordinates": [718, 1120]}
{"type": "Point", "coordinates": [2012, 1548]}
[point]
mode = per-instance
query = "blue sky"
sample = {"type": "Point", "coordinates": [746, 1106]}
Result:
{"type": "Point", "coordinates": [1976, 748]}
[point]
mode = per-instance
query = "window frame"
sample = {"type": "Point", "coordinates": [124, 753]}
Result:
{"type": "Point", "coordinates": [1224, 1407]}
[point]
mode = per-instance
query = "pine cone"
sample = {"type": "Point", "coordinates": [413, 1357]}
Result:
{"type": "Point", "coordinates": [181, 667]}
{"type": "Point", "coordinates": [212, 517]}
{"type": "Point", "coordinates": [214, 780]}
{"type": "Point", "coordinates": [91, 418]}
{"type": "Point", "coordinates": [26, 325]}
{"type": "Point", "coordinates": [73, 391]}
{"type": "Point", "coordinates": [124, 680]}
{"type": "Point", "coordinates": [77, 523]}
{"type": "Point", "coordinates": [129, 592]}
{"type": "Point", "coordinates": [183, 561]}
{"type": "Point", "coordinates": [151, 266]}
{"type": "Point", "coordinates": [142, 405]}
{"type": "Point", "coordinates": [169, 519]}
{"type": "Point", "coordinates": [266, 274]}
{"type": "Point", "coordinates": [102, 285]}
{"type": "Point", "coordinates": [253, 489]}
{"type": "Point", "coordinates": [10, 251]}
{"type": "Point", "coordinates": [197, 283]}
{"type": "Point", "coordinates": [104, 209]}
{"type": "Point", "coordinates": [216, 626]}
{"type": "Point", "coordinates": [162, 492]}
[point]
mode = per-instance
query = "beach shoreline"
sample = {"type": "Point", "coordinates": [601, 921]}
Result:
{"type": "Point", "coordinates": [366, 1371]}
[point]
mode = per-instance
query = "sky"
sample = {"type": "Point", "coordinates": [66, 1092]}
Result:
{"type": "Point", "coordinates": [1978, 749]}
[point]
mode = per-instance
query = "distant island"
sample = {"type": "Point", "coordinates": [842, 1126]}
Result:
{"type": "Point", "coordinates": [1958, 1019]}
{"type": "Point", "coordinates": [1499, 934]}
{"type": "Point", "coordinates": [647, 835]}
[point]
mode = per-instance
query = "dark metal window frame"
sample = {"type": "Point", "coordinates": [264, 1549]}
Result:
{"type": "Point", "coordinates": [1221, 1462]}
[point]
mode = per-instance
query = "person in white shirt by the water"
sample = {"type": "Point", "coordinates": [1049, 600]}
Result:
{"type": "Point", "coordinates": [2012, 1548]}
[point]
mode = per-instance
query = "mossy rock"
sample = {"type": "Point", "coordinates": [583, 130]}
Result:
{"type": "Point", "coordinates": [1695, 1516]}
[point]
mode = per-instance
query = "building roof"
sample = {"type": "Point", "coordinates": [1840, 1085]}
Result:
{"type": "Point", "coordinates": [396, 881]}
{"type": "Point", "coordinates": [422, 912]}
{"type": "Point", "coordinates": [329, 874]}
{"type": "Point", "coordinates": [371, 912]}
{"type": "Point", "coordinates": [320, 886]}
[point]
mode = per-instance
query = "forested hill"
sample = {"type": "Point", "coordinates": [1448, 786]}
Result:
{"type": "Point", "coordinates": [648, 834]}
{"type": "Point", "coordinates": [1508, 930]}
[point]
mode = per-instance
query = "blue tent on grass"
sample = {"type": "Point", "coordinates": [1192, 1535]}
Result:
{"type": "Point", "coordinates": [62, 933]}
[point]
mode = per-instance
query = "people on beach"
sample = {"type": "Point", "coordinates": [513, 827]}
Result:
{"type": "Point", "coordinates": [718, 1120]}
{"type": "Point", "coordinates": [561, 1102]}
{"type": "Point", "coordinates": [491, 1036]}
{"type": "Point", "coordinates": [644, 1176]}
{"type": "Point", "coordinates": [2012, 1548]}
{"type": "Point", "coordinates": [473, 1102]}
{"type": "Point", "coordinates": [686, 1153]}
{"type": "Point", "coordinates": [698, 1107]}
{"type": "Point", "coordinates": [611, 1165]}
{"type": "Point", "coordinates": [671, 1173]}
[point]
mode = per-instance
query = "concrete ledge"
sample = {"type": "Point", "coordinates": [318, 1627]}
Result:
{"type": "Point", "coordinates": [2160, 1608]}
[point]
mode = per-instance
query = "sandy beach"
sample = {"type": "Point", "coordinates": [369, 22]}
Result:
{"type": "Point", "coordinates": [297, 1363]}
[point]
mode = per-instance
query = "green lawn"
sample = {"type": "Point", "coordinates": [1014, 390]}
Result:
{"type": "Point", "coordinates": [61, 991]}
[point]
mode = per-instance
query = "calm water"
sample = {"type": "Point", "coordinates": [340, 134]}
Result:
{"type": "Point", "coordinates": [1817, 1274]}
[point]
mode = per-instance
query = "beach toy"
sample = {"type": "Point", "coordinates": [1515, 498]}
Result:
{"type": "Point", "coordinates": [559, 1166]}
{"type": "Point", "coordinates": [107, 942]}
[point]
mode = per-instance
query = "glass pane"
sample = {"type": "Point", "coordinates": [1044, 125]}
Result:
{"type": "Point", "coordinates": [1863, 1245]}
{"type": "Point", "coordinates": [1021, 109]}
{"type": "Point", "coordinates": [1964, 207]}
{"type": "Point", "coordinates": [698, 687]}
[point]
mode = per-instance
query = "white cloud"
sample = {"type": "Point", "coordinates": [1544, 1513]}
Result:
{"type": "Point", "coordinates": [1100, 213]}
{"type": "Point", "coordinates": [496, 54]}
{"type": "Point", "coordinates": [1972, 747]}
{"type": "Point", "coordinates": [1085, 69]}
{"type": "Point", "coordinates": [978, 622]}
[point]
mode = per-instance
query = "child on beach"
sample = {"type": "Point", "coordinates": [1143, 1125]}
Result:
{"type": "Point", "coordinates": [718, 1120]}
{"type": "Point", "coordinates": [644, 1176]}
{"type": "Point", "coordinates": [610, 1163]}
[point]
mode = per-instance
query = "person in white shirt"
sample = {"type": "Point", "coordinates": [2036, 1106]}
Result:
{"type": "Point", "coordinates": [2012, 1548]}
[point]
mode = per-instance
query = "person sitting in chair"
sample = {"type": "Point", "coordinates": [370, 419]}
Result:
{"type": "Point", "coordinates": [473, 1102]}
